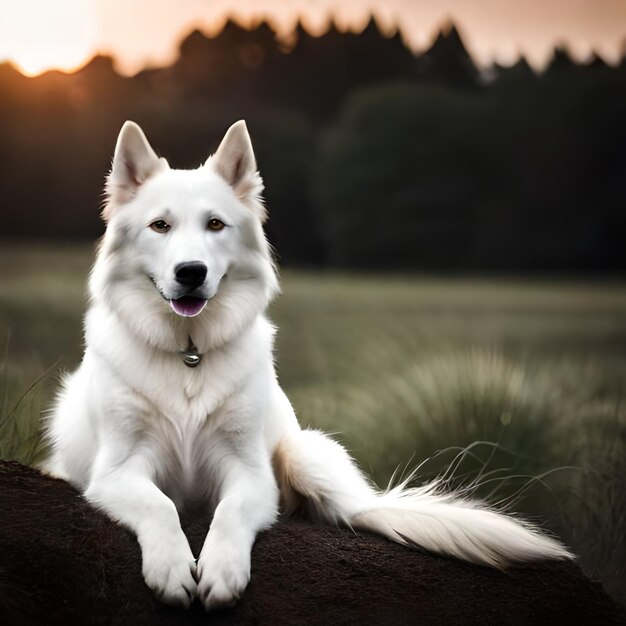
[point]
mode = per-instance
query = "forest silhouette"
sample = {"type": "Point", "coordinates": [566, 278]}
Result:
{"type": "Point", "coordinates": [373, 157]}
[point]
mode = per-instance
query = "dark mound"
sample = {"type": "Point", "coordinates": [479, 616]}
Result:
{"type": "Point", "coordinates": [62, 562]}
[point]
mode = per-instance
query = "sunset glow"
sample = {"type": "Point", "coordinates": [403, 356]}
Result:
{"type": "Point", "coordinates": [37, 35]}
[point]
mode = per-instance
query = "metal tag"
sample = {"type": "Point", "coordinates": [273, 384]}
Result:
{"type": "Point", "coordinates": [191, 358]}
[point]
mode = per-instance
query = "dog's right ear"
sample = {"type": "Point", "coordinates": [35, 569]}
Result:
{"type": "Point", "coordinates": [134, 162]}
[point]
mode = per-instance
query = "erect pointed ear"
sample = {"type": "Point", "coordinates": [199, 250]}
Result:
{"type": "Point", "coordinates": [134, 162]}
{"type": "Point", "coordinates": [234, 160]}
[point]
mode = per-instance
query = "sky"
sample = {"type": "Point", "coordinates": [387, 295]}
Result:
{"type": "Point", "coordinates": [37, 35]}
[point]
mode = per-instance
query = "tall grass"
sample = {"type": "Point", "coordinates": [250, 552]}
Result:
{"type": "Point", "coordinates": [511, 389]}
{"type": "Point", "coordinates": [546, 440]}
{"type": "Point", "coordinates": [21, 408]}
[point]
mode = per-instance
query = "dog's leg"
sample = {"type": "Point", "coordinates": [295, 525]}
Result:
{"type": "Point", "coordinates": [248, 503]}
{"type": "Point", "coordinates": [127, 493]}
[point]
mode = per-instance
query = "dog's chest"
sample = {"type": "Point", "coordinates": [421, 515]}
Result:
{"type": "Point", "coordinates": [190, 430]}
{"type": "Point", "coordinates": [189, 398]}
{"type": "Point", "coordinates": [192, 387]}
{"type": "Point", "coordinates": [184, 458]}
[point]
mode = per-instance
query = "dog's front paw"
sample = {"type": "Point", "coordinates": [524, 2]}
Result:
{"type": "Point", "coordinates": [223, 574]}
{"type": "Point", "coordinates": [169, 569]}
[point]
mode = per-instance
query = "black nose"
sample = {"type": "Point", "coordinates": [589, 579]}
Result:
{"type": "Point", "coordinates": [190, 274]}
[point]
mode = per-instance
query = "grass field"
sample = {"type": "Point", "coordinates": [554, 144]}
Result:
{"type": "Point", "coordinates": [402, 369]}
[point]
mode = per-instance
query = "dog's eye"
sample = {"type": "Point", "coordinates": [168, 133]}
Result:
{"type": "Point", "coordinates": [215, 224]}
{"type": "Point", "coordinates": [160, 226]}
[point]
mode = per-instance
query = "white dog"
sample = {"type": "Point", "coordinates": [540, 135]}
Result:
{"type": "Point", "coordinates": [176, 401]}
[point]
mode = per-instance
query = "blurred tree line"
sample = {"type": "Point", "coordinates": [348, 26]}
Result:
{"type": "Point", "coordinates": [372, 157]}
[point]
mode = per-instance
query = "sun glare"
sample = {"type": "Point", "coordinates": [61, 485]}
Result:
{"type": "Point", "coordinates": [39, 35]}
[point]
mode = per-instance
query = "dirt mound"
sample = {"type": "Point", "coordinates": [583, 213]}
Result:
{"type": "Point", "coordinates": [63, 562]}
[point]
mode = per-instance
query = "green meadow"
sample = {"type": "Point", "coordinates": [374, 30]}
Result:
{"type": "Point", "coordinates": [508, 388]}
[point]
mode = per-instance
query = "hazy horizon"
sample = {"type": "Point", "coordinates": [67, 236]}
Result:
{"type": "Point", "coordinates": [36, 35]}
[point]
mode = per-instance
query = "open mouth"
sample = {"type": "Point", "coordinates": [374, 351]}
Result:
{"type": "Point", "coordinates": [188, 306]}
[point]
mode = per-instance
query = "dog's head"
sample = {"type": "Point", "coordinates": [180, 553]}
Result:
{"type": "Point", "coordinates": [184, 243]}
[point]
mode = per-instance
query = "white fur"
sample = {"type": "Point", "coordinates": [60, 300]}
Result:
{"type": "Point", "coordinates": [144, 436]}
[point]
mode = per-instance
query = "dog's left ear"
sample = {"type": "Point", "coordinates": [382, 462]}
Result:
{"type": "Point", "coordinates": [234, 161]}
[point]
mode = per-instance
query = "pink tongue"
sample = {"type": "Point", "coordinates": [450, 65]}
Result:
{"type": "Point", "coordinates": [188, 306]}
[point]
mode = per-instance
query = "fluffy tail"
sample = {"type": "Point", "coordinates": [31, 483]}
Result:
{"type": "Point", "coordinates": [317, 477]}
